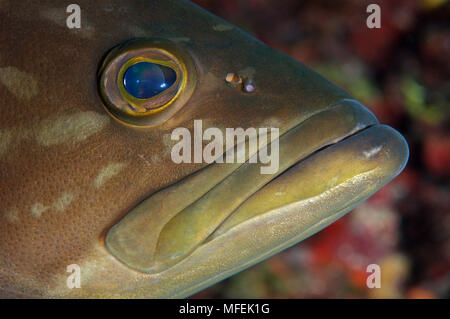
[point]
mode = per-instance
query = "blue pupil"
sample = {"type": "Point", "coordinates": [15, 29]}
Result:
{"type": "Point", "coordinates": [144, 80]}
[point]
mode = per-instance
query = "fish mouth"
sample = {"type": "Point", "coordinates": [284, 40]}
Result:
{"type": "Point", "coordinates": [227, 217]}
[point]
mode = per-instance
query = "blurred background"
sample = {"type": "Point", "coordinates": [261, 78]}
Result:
{"type": "Point", "coordinates": [401, 72]}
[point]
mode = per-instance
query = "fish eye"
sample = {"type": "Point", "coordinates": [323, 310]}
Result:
{"type": "Point", "coordinates": [144, 82]}
{"type": "Point", "coordinates": [147, 85]}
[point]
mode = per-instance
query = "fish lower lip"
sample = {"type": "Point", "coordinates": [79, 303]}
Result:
{"type": "Point", "coordinates": [163, 230]}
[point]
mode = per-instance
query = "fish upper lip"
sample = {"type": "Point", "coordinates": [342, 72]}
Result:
{"type": "Point", "coordinates": [125, 242]}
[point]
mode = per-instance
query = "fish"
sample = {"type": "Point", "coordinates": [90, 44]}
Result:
{"type": "Point", "coordinates": [92, 204]}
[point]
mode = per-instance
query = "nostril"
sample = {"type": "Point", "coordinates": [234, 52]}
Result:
{"type": "Point", "coordinates": [249, 86]}
{"type": "Point", "coordinates": [233, 78]}
{"type": "Point", "coordinates": [244, 83]}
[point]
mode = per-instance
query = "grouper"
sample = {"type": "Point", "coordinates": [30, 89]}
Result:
{"type": "Point", "coordinates": [90, 97]}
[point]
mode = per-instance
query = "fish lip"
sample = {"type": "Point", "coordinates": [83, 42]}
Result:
{"type": "Point", "coordinates": [403, 160]}
{"type": "Point", "coordinates": [363, 119]}
{"type": "Point", "coordinates": [372, 121]}
{"type": "Point", "coordinates": [214, 234]}
{"type": "Point", "coordinates": [249, 230]}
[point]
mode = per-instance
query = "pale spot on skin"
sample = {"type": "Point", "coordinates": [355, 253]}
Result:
{"type": "Point", "coordinates": [63, 202]}
{"type": "Point", "coordinates": [20, 84]}
{"type": "Point", "coordinates": [222, 27]}
{"type": "Point", "coordinates": [60, 205]}
{"type": "Point", "coordinates": [11, 216]}
{"type": "Point", "coordinates": [372, 152]}
{"type": "Point", "coordinates": [108, 172]}
{"type": "Point", "coordinates": [37, 209]}
{"type": "Point", "coordinates": [70, 128]}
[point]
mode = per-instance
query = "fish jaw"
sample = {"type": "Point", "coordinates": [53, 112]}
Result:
{"type": "Point", "coordinates": [189, 245]}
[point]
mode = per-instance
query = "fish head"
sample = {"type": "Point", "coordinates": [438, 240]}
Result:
{"type": "Point", "coordinates": [88, 176]}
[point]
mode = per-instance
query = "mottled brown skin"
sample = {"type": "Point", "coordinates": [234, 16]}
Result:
{"type": "Point", "coordinates": [35, 248]}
